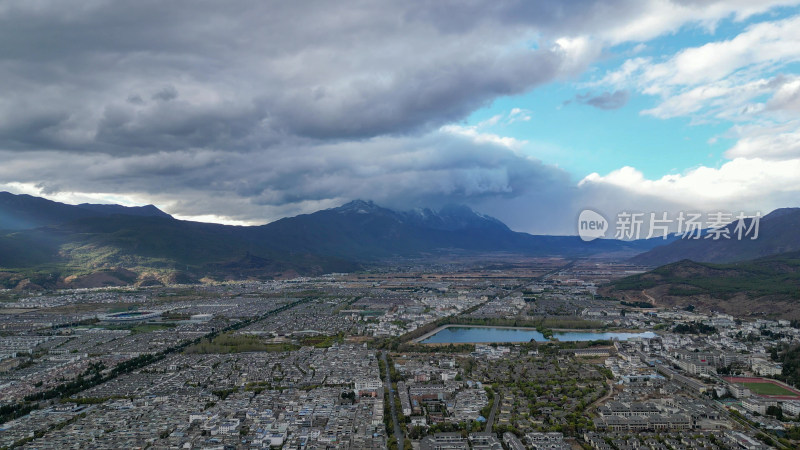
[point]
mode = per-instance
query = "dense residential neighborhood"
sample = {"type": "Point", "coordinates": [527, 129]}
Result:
{"type": "Point", "coordinates": [299, 363]}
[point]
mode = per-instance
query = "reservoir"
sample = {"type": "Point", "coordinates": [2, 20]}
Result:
{"type": "Point", "coordinates": [468, 334]}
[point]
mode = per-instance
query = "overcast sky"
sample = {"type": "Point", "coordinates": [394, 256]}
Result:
{"type": "Point", "coordinates": [248, 111]}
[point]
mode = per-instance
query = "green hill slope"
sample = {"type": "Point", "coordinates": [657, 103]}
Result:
{"type": "Point", "coordinates": [769, 285]}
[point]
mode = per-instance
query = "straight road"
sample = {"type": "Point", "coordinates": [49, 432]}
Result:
{"type": "Point", "coordinates": [498, 398]}
{"type": "Point", "coordinates": [398, 432]}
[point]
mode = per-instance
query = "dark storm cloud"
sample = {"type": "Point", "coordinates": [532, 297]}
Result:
{"type": "Point", "coordinates": [111, 72]}
{"type": "Point", "coordinates": [257, 109]}
{"type": "Point", "coordinates": [401, 172]}
{"type": "Point", "coordinates": [166, 94]}
{"type": "Point", "coordinates": [424, 97]}
{"type": "Point", "coordinates": [588, 16]}
{"type": "Point", "coordinates": [605, 100]}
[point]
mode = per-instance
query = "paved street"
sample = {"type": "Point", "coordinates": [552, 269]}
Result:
{"type": "Point", "coordinates": [398, 432]}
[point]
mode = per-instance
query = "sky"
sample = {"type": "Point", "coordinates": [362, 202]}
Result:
{"type": "Point", "coordinates": [244, 112]}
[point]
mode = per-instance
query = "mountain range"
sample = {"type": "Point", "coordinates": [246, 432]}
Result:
{"type": "Point", "coordinates": [49, 244]}
{"type": "Point", "coordinates": [363, 231]}
{"type": "Point", "coordinates": [759, 277]}
{"type": "Point", "coordinates": [22, 212]}
{"type": "Point", "coordinates": [768, 286]}
{"type": "Point", "coordinates": [46, 243]}
{"type": "Point", "coordinates": [778, 232]}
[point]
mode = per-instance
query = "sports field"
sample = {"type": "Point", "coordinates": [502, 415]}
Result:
{"type": "Point", "coordinates": [767, 389]}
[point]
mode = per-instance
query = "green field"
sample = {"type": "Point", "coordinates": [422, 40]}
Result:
{"type": "Point", "coordinates": [767, 389]}
{"type": "Point", "coordinates": [238, 343]}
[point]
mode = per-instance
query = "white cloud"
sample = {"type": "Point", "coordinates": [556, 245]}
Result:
{"type": "Point", "coordinates": [657, 17]}
{"type": "Point", "coordinates": [518, 115]}
{"type": "Point", "coordinates": [491, 121]}
{"type": "Point", "coordinates": [478, 134]}
{"type": "Point", "coordinates": [786, 97]}
{"type": "Point", "coordinates": [480, 137]}
{"type": "Point", "coordinates": [720, 79]}
{"type": "Point", "coordinates": [576, 53]}
{"type": "Point", "coordinates": [764, 44]}
{"type": "Point", "coordinates": [721, 99]}
{"type": "Point", "coordinates": [739, 184]}
{"type": "Point", "coordinates": [624, 75]}
{"type": "Point", "coordinates": [770, 142]}
{"type": "Point", "coordinates": [737, 81]}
